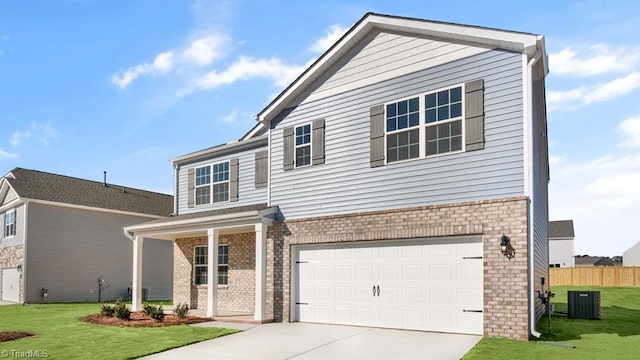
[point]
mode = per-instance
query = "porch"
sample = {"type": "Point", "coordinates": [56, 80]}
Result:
{"type": "Point", "coordinates": [204, 276]}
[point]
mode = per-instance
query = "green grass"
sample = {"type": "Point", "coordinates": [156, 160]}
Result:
{"type": "Point", "coordinates": [63, 336]}
{"type": "Point", "coordinates": [616, 336]}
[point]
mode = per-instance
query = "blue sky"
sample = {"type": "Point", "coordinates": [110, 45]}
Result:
{"type": "Point", "coordinates": [124, 86]}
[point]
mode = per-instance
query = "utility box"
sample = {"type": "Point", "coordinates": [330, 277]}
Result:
{"type": "Point", "coordinates": [584, 304]}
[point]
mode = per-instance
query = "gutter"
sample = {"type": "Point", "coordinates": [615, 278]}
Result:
{"type": "Point", "coordinates": [530, 251]}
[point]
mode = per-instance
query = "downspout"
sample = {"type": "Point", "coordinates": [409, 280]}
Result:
{"type": "Point", "coordinates": [176, 170]}
{"type": "Point", "coordinates": [24, 251]}
{"type": "Point", "coordinates": [529, 123]}
{"type": "Point", "coordinates": [128, 235]}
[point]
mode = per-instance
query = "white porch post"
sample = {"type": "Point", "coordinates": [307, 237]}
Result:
{"type": "Point", "coordinates": [212, 272]}
{"type": "Point", "coordinates": [261, 272]}
{"type": "Point", "coordinates": [136, 284]}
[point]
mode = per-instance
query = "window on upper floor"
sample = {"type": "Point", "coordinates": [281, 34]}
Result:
{"type": "Point", "coordinates": [200, 265]}
{"type": "Point", "coordinates": [212, 184]}
{"type": "Point", "coordinates": [303, 145]}
{"type": "Point", "coordinates": [445, 121]}
{"type": "Point", "coordinates": [10, 223]}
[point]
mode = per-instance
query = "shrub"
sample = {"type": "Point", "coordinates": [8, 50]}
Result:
{"type": "Point", "coordinates": [154, 312]}
{"type": "Point", "coordinates": [181, 310]}
{"type": "Point", "coordinates": [107, 309]}
{"type": "Point", "coordinates": [121, 310]}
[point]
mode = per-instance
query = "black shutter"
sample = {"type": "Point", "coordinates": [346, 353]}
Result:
{"type": "Point", "coordinates": [474, 115]}
{"type": "Point", "coordinates": [318, 142]}
{"type": "Point", "coordinates": [376, 128]}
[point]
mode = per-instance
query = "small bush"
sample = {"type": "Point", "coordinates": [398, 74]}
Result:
{"type": "Point", "coordinates": [121, 310]}
{"type": "Point", "coordinates": [107, 309]}
{"type": "Point", "coordinates": [181, 310]}
{"type": "Point", "coordinates": [154, 312]}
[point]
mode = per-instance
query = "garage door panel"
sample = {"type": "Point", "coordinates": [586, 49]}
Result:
{"type": "Point", "coordinates": [424, 285]}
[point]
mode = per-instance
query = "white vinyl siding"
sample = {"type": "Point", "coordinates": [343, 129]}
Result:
{"type": "Point", "coordinates": [69, 249]}
{"type": "Point", "coordinates": [248, 194]}
{"type": "Point", "coordinates": [346, 183]}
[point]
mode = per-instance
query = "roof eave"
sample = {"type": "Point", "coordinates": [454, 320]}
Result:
{"type": "Point", "coordinates": [220, 150]}
{"type": "Point", "coordinates": [520, 42]}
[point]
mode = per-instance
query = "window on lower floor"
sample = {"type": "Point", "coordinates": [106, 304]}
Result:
{"type": "Point", "coordinates": [10, 223]}
{"type": "Point", "coordinates": [200, 263]}
{"type": "Point", "coordinates": [554, 265]}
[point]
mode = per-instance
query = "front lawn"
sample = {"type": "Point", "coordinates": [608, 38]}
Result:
{"type": "Point", "coordinates": [616, 336]}
{"type": "Point", "coordinates": [63, 336]}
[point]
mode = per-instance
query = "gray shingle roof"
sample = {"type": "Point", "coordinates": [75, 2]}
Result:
{"type": "Point", "coordinates": [593, 260]}
{"type": "Point", "coordinates": [38, 185]}
{"type": "Point", "coordinates": [203, 214]}
{"type": "Point", "coordinates": [561, 229]}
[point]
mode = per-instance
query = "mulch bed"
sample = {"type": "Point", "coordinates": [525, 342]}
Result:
{"type": "Point", "coordinates": [140, 319]}
{"type": "Point", "coordinates": [13, 335]}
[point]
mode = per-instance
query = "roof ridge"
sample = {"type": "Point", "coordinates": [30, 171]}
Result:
{"type": "Point", "coordinates": [86, 180]}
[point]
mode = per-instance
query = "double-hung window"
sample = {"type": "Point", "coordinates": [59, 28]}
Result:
{"type": "Point", "coordinates": [212, 183]}
{"type": "Point", "coordinates": [403, 130]}
{"type": "Point", "coordinates": [443, 117]}
{"type": "Point", "coordinates": [424, 125]}
{"type": "Point", "coordinates": [200, 265]}
{"type": "Point", "coordinates": [203, 187]}
{"type": "Point", "coordinates": [303, 145]}
{"type": "Point", "coordinates": [10, 223]}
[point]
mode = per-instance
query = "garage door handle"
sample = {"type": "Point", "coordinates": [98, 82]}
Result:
{"type": "Point", "coordinates": [378, 290]}
{"type": "Point", "coordinates": [374, 290]}
{"type": "Point", "coordinates": [476, 311]}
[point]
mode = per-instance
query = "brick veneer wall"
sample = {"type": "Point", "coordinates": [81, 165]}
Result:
{"type": "Point", "coordinates": [239, 295]}
{"type": "Point", "coordinates": [505, 281]}
{"type": "Point", "coordinates": [10, 257]}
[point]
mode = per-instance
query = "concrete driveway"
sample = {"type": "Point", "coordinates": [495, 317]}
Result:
{"type": "Point", "coordinates": [314, 341]}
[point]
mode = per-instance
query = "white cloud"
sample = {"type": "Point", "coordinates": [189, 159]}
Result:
{"type": "Point", "coordinates": [18, 137]}
{"type": "Point", "coordinates": [586, 95]}
{"type": "Point", "coordinates": [162, 64]}
{"type": "Point", "coordinates": [602, 197]}
{"type": "Point", "coordinates": [246, 67]}
{"type": "Point", "coordinates": [630, 128]}
{"type": "Point", "coordinates": [594, 60]}
{"type": "Point", "coordinates": [231, 117]}
{"type": "Point", "coordinates": [44, 133]}
{"type": "Point", "coordinates": [6, 154]}
{"type": "Point", "coordinates": [205, 50]}
{"type": "Point", "coordinates": [331, 35]}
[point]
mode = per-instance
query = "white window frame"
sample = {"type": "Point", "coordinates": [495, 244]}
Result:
{"type": "Point", "coordinates": [211, 184]}
{"type": "Point", "coordinates": [10, 230]}
{"type": "Point", "coordinates": [422, 125]}
{"type": "Point", "coordinates": [296, 146]}
{"type": "Point", "coordinates": [205, 247]}
{"type": "Point", "coordinates": [196, 187]}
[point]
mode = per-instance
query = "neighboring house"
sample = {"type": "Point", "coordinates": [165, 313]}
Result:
{"type": "Point", "coordinates": [561, 243]}
{"type": "Point", "coordinates": [586, 260]}
{"type": "Point", "coordinates": [63, 234]}
{"type": "Point", "coordinates": [631, 257]}
{"type": "Point", "coordinates": [376, 188]}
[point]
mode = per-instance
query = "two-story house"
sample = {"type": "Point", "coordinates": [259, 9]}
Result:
{"type": "Point", "coordinates": [62, 239]}
{"type": "Point", "coordinates": [400, 181]}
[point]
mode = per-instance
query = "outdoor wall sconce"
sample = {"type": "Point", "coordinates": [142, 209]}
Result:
{"type": "Point", "coordinates": [505, 247]}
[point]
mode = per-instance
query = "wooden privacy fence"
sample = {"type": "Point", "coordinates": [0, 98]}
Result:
{"type": "Point", "coordinates": [596, 276]}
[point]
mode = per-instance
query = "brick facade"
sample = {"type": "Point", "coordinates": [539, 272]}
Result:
{"type": "Point", "coordinates": [238, 295]}
{"type": "Point", "coordinates": [505, 281]}
{"type": "Point", "coordinates": [11, 257]}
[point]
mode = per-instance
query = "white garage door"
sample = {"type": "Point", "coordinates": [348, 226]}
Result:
{"type": "Point", "coordinates": [433, 285]}
{"type": "Point", "coordinates": [10, 283]}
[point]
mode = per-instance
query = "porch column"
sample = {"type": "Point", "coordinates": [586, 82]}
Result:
{"type": "Point", "coordinates": [212, 272]}
{"type": "Point", "coordinates": [136, 283]}
{"type": "Point", "coordinates": [261, 272]}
